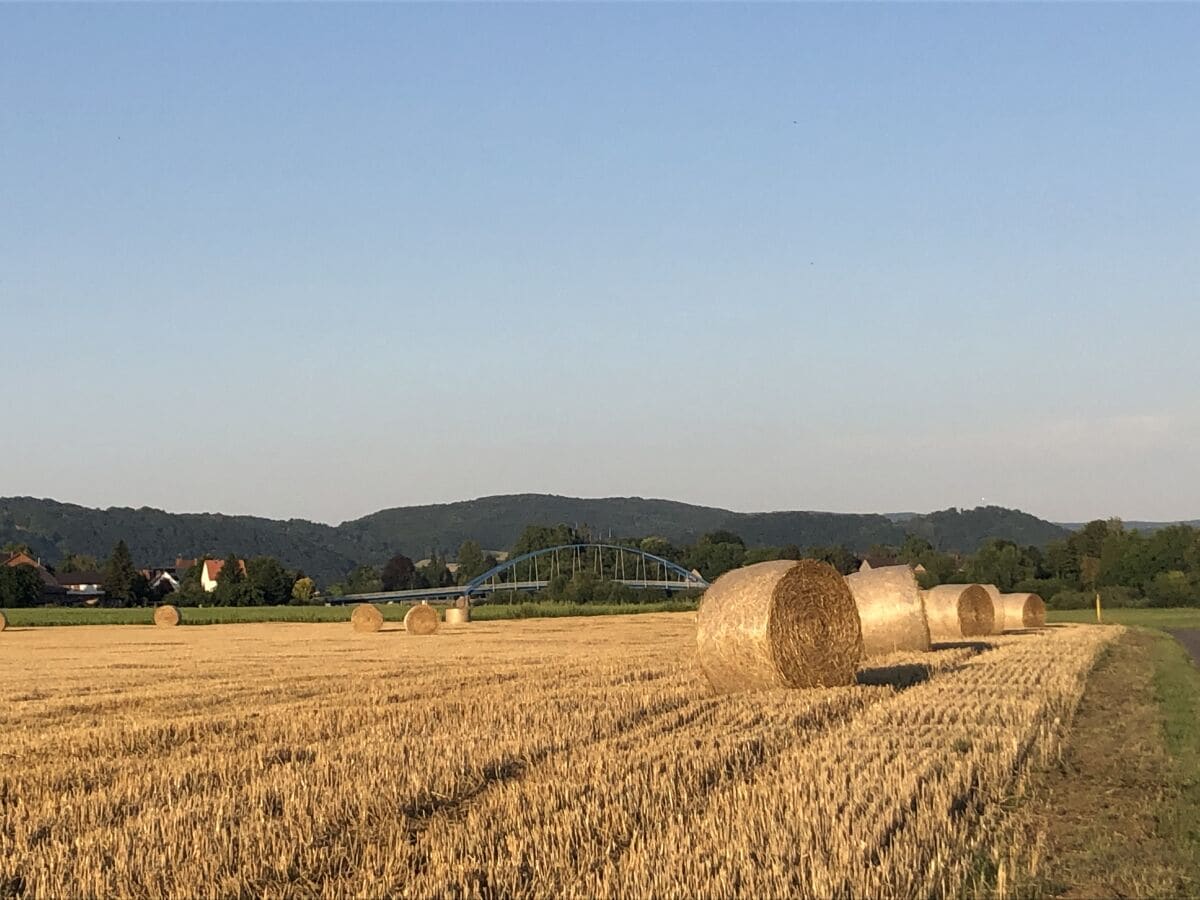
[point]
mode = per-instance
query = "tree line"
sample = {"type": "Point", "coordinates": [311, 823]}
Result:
{"type": "Point", "coordinates": [1126, 567]}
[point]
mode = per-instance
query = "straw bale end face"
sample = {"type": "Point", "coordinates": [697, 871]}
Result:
{"type": "Point", "coordinates": [366, 618]}
{"type": "Point", "coordinates": [997, 599]}
{"type": "Point", "coordinates": [457, 616]}
{"type": "Point", "coordinates": [422, 619]}
{"type": "Point", "coordinates": [957, 611]}
{"type": "Point", "coordinates": [166, 616]}
{"type": "Point", "coordinates": [3, 622]}
{"type": "Point", "coordinates": [779, 624]}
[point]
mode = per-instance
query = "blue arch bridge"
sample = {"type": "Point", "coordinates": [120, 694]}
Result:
{"type": "Point", "coordinates": [533, 571]}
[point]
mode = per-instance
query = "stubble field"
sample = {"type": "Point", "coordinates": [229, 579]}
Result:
{"type": "Point", "coordinates": [568, 757]}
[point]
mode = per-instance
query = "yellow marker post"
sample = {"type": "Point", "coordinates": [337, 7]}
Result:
{"type": "Point", "coordinates": [1099, 620]}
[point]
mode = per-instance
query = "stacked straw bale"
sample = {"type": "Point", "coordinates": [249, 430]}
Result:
{"type": "Point", "coordinates": [3, 622]}
{"type": "Point", "coordinates": [166, 616]}
{"type": "Point", "coordinates": [422, 619]}
{"type": "Point", "coordinates": [366, 618]}
{"type": "Point", "coordinates": [456, 615]}
{"type": "Point", "coordinates": [1023, 611]}
{"type": "Point", "coordinates": [957, 611]}
{"type": "Point", "coordinates": [779, 624]}
{"type": "Point", "coordinates": [890, 610]}
{"type": "Point", "coordinates": [998, 606]}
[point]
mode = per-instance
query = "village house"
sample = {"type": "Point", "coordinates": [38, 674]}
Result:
{"type": "Point", "coordinates": [83, 587]}
{"type": "Point", "coordinates": [210, 573]}
{"type": "Point", "coordinates": [52, 591]}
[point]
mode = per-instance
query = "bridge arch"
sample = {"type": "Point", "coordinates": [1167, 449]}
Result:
{"type": "Point", "coordinates": [671, 575]}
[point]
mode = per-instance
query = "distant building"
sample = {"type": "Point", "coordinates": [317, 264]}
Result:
{"type": "Point", "coordinates": [164, 581]}
{"type": "Point", "coordinates": [882, 562]}
{"type": "Point", "coordinates": [52, 591]}
{"type": "Point", "coordinates": [210, 574]}
{"type": "Point", "coordinates": [83, 587]}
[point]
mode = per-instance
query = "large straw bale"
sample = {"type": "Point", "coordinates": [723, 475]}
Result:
{"type": "Point", "coordinates": [890, 610]}
{"type": "Point", "coordinates": [421, 619]}
{"type": "Point", "coordinates": [957, 611]}
{"type": "Point", "coordinates": [998, 605]}
{"type": "Point", "coordinates": [366, 618]}
{"type": "Point", "coordinates": [3, 622]}
{"type": "Point", "coordinates": [457, 616]}
{"type": "Point", "coordinates": [779, 624]}
{"type": "Point", "coordinates": [166, 616]}
{"type": "Point", "coordinates": [1023, 611]}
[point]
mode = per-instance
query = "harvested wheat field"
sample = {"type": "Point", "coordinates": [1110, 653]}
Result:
{"type": "Point", "coordinates": [558, 757]}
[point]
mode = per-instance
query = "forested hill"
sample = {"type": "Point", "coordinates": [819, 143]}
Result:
{"type": "Point", "coordinates": [327, 552]}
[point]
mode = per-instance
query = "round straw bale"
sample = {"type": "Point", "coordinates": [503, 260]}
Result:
{"type": "Point", "coordinates": [779, 624]}
{"type": "Point", "coordinates": [166, 616]}
{"type": "Point", "coordinates": [1023, 610]}
{"type": "Point", "coordinates": [366, 617]}
{"type": "Point", "coordinates": [421, 619]}
{"type": "Point", "coordinates": [998, 605]}
{"type": "Point", "coordinates": [3, 622]}
{"type": "Point", "coordinates": [957, 611]}
{"type": "Point", "coordinates": [890, 609]}
{"type": "Point", "coordinates": [457, 616]}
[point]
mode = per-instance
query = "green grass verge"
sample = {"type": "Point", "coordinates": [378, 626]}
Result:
{"type": "Point", "coordinates": [1177, 690]}
{"type": "Point", "coordinates": [228, 615]}
{"type": "Point", "coordinates": [1144, 618]}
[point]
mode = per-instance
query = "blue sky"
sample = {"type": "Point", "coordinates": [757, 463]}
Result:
{"type": "Point", "coordinates": [317, 260]}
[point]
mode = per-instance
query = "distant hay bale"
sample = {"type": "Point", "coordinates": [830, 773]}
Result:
{"type": "Point", "coordinates": [457, 616]}
{"type": "Point", "coordinates": [422, 619]}
{"type": "Point", "coordinates": [3, 622]}
{"type": "Point", "coordinates": [1023, 610]}
{"type": "Point", "coordinates": [957, 611]}
{"type": "Point", "coordinates": [463, 603]}
{"type": "Point", "coordinates": [779, 624]}
{"type": "Point", "coordinates": [366, 618]}
{"type": "Point", "coordinates": [998, 605]}
{"type": "Point", "coordinates": [166, 616]}
{"type": "Point", "coordinates": [890, 610]}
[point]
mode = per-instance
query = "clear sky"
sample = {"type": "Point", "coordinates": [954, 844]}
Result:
{"type": "Point", "coordinates": [318, 260]}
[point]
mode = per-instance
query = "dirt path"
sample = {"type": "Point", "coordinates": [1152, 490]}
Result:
{"type": "Point", "coordinates": [1190, 638]}
{"type": "Point", "coordinates": [1100, 807]}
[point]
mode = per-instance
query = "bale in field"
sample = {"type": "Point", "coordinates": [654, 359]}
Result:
{"type": "Point", "coordinates": [422, 619]}
{"type": "Point", "coordinates": [166, 616]}
{"type": "Point", "coordinates": [998, 606]}
{"type": "Point", "coordinates": [890, 610]}
{"type": "Point", "coordinates": [1023, 610]}
{"type": "Point", "coordinates": [3, 622]}
{"type": "Point", "coordinates": [957, 611]}
{"type": "Point", "coordinates": [366, 617]}
{"type": "Point", "coordinates": [779, 624]}
{"type": "Point", "coordinates": [456, 615]}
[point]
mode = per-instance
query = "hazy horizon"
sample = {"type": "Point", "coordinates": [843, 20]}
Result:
{"type": "Point", "coordinates": [290, 260]}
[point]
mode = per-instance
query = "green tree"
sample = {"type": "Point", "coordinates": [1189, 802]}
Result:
{"type": "Point", "coordinates": [539, 537]}
{"type": "Point", "coordinates": [364, 580]}
{"type": "Point", "coordinates": [20, 586]}
{"type": "Point", "coordinates": [77, 562]}
{"type": "Point", "coordinates": [303, 590]}
{"type": "Point", "coordinates": [233, 587]}
{"type": "Point", "coordinates": [120, 575]}
{"type": "Point", "coordinates": [470, 561]}
{"type": "Point", "coordinates": [270, 580]}
{"type": "Point", "coordinates": [399, 574]}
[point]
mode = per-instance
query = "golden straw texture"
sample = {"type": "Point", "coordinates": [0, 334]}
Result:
{"type": "Point", "coordinates": [422, 619]}
{"type": "Point", "coordinates": [993, 592]}
{"type": "Point", "coordinates": [957, 611]}
{"type": "Point", "coordinates": [166, 616]}
{"type": "Point", "coordinates": [779, 624]}
{"type": "Point", "coordinates": [456, 616]}
{"type": "Point", "coordinates": [3, 622]}
{"type": "Point", "coordinates": [1023, 611]}
{"type": "Point", "coordinates": [366, 617]}
{"type": "Point", "coordinates": [890, 609]}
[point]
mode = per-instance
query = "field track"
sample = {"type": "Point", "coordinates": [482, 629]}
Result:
{"type": "Point", "coordinates": [565, 757]}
